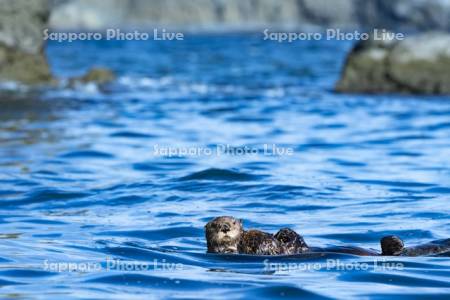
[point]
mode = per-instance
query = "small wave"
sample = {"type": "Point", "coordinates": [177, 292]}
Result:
{"type": "Point", "coordinates": [152, 282]}
{"type": "Point", "coordinates": [45, 222]}
{"type": "Point", "coordinates": [405, 153]}
{"type": "Point", "coordinates": [126, 200]}
{"type": "Point", "coordinates": [87, 154]}
{"type": "Point", "coordinates": [431, 215]}
{"type": "Point", "coordinates": [44, 195]}
{"type": "Point", "coordinates": [135, 83]}
{"type": "Point", "coordinates": [283, 208]}
{"type": "Point", "coordinates": [159, 234]}
{"type": "Point", "coordinates": [6, 282]}
{"type": "Point", "coordinates": [132, 134]}
{"type": "Point", "coordinates": [161, 166]}
{"type": "Point", "coordinates": [144, 82]}
{"type": "Point", "coordinates": [393, 183]}
{"type": "Point", "coordinates": [26, 273]}
{"type": "Point", "coordinates": [221, 174]}
{"type": "Point", "coordinates": [13, 86]}
{"type": "Point", "coordinates": [438, 190]}
{"type": "Point", "coordinates": [397, 139]}
{"type": "Point", "coordinates": [347, 163]}
{"type": "Point", "coordinates": [375, 236]}
{"type": "Point", "coordinates": [283, 291]}
{"type": "Point", "coordinates": [394, 279]}
{"type": "Point", "coordinates": [87, 88]}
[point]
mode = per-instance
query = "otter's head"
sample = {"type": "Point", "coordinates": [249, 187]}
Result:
{"type": "Point", "coordinates": [223, 234]}
{"type": "Point", "coordinates": [391, 245]}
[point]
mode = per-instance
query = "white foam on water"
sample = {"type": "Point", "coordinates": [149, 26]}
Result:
{"type": "Point", "coordinates": [13, 86]}
{"type": "Point", "coordinates": [144, 82]}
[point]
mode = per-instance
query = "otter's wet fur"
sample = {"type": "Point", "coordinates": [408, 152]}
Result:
{"type": "Point", "coordinates": [226, 235]}
{"type": "Point", "coordinates": [394, 246]}
{"type": "Point", "coordinates": [291, 241]}
{"type": "Point", "coordinates": [259, 243]}
{"type": "Point", "coordinates": [223, 235]}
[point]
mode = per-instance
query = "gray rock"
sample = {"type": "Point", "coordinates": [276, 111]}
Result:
{"type": "Point", "coordinates": [20, 66]}
{"type": "Point", "coordinates": [419, 65]}
{"type": "Point", "coordinates": [248, 14]}
{"type": "Point", "coordinates": [405, 14]}
{"type": "Point", "coordinates": [21, 24]}
{"type": "Point", "coordinates": [95, 75]}
{"type": "Point", "coordinates": [325, 12]}
{"type": "Point", "coordinates": [101, 14]}
{"type": "Point", "coordinates": [21, 41]}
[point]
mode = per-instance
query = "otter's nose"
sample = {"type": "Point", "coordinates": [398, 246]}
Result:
{"type": "Point", "coordinates": [225, 228]}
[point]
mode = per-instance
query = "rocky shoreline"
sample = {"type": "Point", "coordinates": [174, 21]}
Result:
{"type": "Point", "coordinates": [22, 56]}
{"type": "Point", "coordinates": [245, 14]}
{"type": "Point", "coordinates": [22, 47]}
{"type": "Point", "coordinates": [419, 64]}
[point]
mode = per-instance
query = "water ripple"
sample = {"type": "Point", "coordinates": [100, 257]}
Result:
{"type": "Point", "coordinates": [82, 184]}
{"type": "Point", "coordinates": [219, 174]}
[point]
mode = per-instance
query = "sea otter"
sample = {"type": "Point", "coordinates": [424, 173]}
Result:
{"type": "Point", "coordinates": [223, 235]}
{"type": "Point", "coordinates": [226, 235]}
{"type": "Point", "coordinates": [393, 246]}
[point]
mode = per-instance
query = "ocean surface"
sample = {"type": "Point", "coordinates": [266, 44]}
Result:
{"type": "Point", "coordinates": [105, 190]}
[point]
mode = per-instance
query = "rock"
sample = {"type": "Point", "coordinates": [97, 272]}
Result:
{"type": "Point", "coordinates": [404, 15]}
{"type": "Point", "coordinates": [30, 69]}
{"type": "Point", "coordinates": [87, 15]}
{"type": "Point", "coordinates": [323, 12]}
{"type": "Point", "coordinates": [238, 14]}
{"type": "Point", "coordinates": [22, 56]}
{"type": "Point", "coordinates": [418, 64]}
{"type": "Point", "coordinates": [250, 14]}
{"type": "Point", "coordinates": [21, 24]}
{"type": "Point", "coordinates": [101, 14]}
{"type": "Point", "coordinates": [95, 75]}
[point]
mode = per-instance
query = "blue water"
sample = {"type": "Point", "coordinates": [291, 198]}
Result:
{"type": "Point", "coordinates": [81, 182]}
